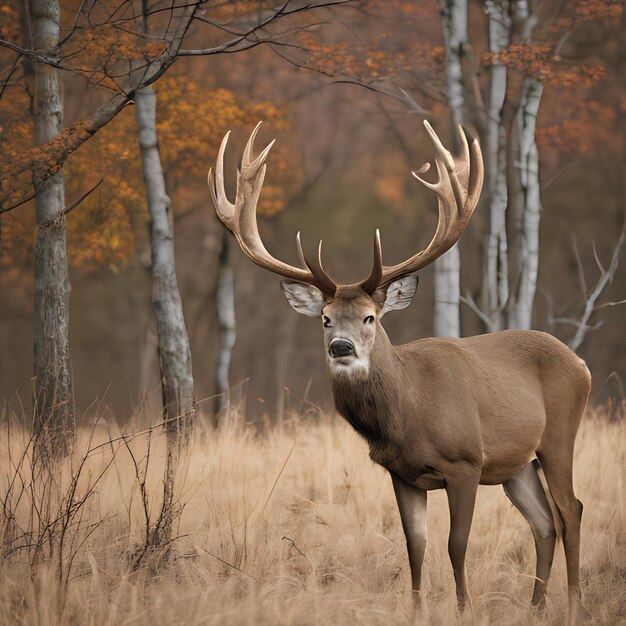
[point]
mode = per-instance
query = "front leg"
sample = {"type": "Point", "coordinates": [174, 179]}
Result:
{"type": "Point", "coordinates": [461, 490]}
{"type": "Point", "coordinates": [412, 505]}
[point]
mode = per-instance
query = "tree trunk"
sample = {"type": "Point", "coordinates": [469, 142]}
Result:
{"type": "Point", "coordinates": [525, 159]}
{"type": "Point", "coordinates": [447, 322]}
{"type": "Point", "coordinates": [496, 161]}
{"type": "Point", "coordinates": [173, 344]}
{"type": "Point", "coordinates": [54, 410]}
{"type": "Point", "coordinates": [527, 170]}
{"type": "Point", "coordinates": [448, 267]}
{"type": "Point", "coordinates": [172, 341]}
{"type": "Point", "coordinates": [225, 302]}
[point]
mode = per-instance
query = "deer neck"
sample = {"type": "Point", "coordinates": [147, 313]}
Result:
{"type": "Point", "coordinates": [367, 400]}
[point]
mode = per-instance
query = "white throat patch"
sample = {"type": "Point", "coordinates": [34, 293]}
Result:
{"type": "Point", "coordinates": [349, 367]}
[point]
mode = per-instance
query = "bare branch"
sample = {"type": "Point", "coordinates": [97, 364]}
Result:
{"type": "Point", "coordinates": [484, 318]}
{"type": "Point", "coordinates": [67, 142]}
{"type": "Point", "coordinates": [604, 281]}
{"type": "Point", "coordinates": [579, 267]}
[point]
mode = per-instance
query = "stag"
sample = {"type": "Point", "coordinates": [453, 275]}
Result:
{"type": "Point", "coordinates": [438, 413]}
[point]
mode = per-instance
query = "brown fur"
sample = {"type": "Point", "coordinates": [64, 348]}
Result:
{"type": "Point", "coordinates": [453, 413]}
{"type": "Point", "coordinates": [489, 400]}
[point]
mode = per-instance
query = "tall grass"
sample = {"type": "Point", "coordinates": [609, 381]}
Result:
{"type": "Point", "coordinates": [294, 525]}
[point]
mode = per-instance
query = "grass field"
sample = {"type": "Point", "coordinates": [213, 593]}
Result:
{"type": "Point", "coordinates": [292, 526]}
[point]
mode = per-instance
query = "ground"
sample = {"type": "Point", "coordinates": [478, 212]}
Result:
{"type": "Point", "coordinates": [294, 525]}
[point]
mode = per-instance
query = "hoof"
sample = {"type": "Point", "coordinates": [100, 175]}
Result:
{"type": "Point", "coordinates": [579, 615]}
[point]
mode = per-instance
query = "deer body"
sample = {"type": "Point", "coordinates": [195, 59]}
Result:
{"type": "Point", "coordinates": [499, 430]}
{"type": "Point", "coordinates": [438, 413]}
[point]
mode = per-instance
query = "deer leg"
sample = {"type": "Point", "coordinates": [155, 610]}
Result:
{"type": "Point", "coordinates": [412, 505]}
{"type": "Point", "coordinates": [558, 473]}
{"type": "Point", "coordinates": [526, 492]}
{"type": "Point", "coordinates": [461, 490]}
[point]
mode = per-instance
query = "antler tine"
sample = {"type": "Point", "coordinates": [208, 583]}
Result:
{"type": "Point", "coordinates": [445, 213]}
{"type": "Point", "coordinates": [322, 280]}
{"type": "Point", "coordinates": [248, 168]}
{"type": "Point", "coordinates": [315, 266]}
{"type": "Point", "coordinates": [225, 209]}
{"type": "Point", "coordinates": [370, 284]}
{"type": "Point", "coordinates": [443, 153]}
{"type": "Point", "coordinates": [247, 151]}
{"type": "Point", "coordinates": [451, 165]}
{"type": "Point", "coordinates": [240, 217]}
{"type": "Point", "coordinates": [317, 269]}
{"type": "Point", "coordinates": [476, 174]}
{"type": "Point", "coordinates": [465, 152]}
{"type": "Point", "coordinates": [300, 253]}
{"type": "Point", "coordinates": [458, 187]}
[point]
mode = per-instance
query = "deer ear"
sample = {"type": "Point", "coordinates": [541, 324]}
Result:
{"type": "Point", "coordinates": [399, 294]}
{"type": "Point", "coordinates": [304, 298]}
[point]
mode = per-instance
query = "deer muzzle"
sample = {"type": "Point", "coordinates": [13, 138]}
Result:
{"type": "Point", "coordinates": [340, 347]}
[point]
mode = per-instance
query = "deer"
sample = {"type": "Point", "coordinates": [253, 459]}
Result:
{"type": "Point", "coordinates": [438, 413]}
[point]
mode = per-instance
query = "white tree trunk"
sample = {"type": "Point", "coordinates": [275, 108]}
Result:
{"type": "Point", "coordinates": [527, 168]}
{"type": "Point", "coordinates": [454, 23]}
{"type": "Point", "coordinates": [173, 344]}
{"type": "Point", "coordinates": [447, 321]}
{"type": "Point", "coordinates": [497, 248]}
{"type": "Point", "coordinates": [53, 390]}
{"type": "Point", "coordinates": [225, 302]}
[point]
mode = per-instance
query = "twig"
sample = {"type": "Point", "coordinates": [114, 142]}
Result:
{"type": "Point", "coordinates": [293, 543]}
{"type": "Point", "coordinates": [279, 475]}
{"type": "Point", "coordinates": [227, 563]}
{"type": "Point", "coordinates": [484, 318]}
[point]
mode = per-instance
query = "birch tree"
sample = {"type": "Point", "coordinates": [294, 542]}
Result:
{"type": "Point", "coordinates": [526, 168]}
{"type": "Point", "coordinates": [524, 42]}
{"type": "Point", "coordinates": [172, 341]}
{"type": "Point", "coordinates": [497, 278]}
{"type": "Point", "coordinates": [447, 320]}
{"type": "Point", "coordinates": [225, 304]}
{"type": "Point", "coordinates": [52, 374]}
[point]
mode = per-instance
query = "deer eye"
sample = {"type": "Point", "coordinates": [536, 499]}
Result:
{"type": "Point", "coordinates": [369, 319]}
{"type": "Point", "coordinates": [326, 321]}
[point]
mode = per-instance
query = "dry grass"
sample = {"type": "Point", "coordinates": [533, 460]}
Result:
{"type": "Point", "coordinates": [294, 526]}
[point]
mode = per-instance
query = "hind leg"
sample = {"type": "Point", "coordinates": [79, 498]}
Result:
{"type": "Point", "coordinates": [557, 469]}
{"type": "Point", "coordinates": [526, 492]}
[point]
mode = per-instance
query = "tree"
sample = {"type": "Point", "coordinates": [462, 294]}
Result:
{"type": "Point", "coordinates": [225, 304]}
{"type": "Point", "coordinates": [52, 379]}
{"type": "Point", "coordinates": [496, 289]}
{"type": "Point", "coordinates": [172, 340]}
{"type": "Point", "coordinates": [525, 54]}
{"type": "Point", "coordinates": [447, 320]}
{"type": "Point", "coordinates": [186, 151]}
{"type": "Point", "coordinates": [111, 50]}
{"type": "Point", "coordinates": [524, 38]}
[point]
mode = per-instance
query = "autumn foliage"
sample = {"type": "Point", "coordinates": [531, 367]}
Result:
{"type": "Point", "coordinates": [192, 119]}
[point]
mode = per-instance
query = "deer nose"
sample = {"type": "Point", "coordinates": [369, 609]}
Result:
{"type": "Point", "coordinates": [341, 347]}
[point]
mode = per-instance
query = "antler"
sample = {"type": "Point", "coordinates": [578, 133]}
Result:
{"type": "Point", "coordinates": [240, 217]}
{"type": "Point", "coordinates": [458, 189]}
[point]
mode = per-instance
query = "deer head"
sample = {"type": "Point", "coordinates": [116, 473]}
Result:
{"type": "Point", "coordinates": [350, 313]}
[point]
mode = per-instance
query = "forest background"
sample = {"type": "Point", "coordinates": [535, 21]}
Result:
{"type": "Point", "coordinates": [111, 114]}
{"type": "Point", "coordinates": [344, 91]}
